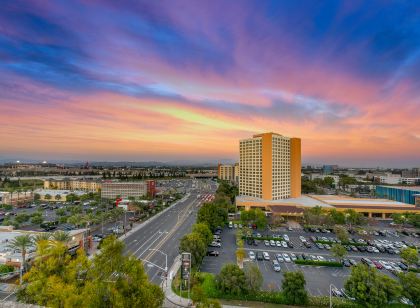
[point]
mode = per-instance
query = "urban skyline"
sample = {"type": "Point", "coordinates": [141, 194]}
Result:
{"type": "Point", "coordinates": [101, 81]}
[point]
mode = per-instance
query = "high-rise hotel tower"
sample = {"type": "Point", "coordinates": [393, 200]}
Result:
{"type": "Point", "coordinates": [270, 167]}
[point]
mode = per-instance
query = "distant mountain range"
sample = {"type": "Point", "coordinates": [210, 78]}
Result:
{"type": "Point", "coordinates": [175, 163]}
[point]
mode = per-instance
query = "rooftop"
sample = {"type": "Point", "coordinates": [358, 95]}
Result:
{"type": "Point", "coordinates": [415, 188]}
{"type": "Point", "coordinates": [302, 200]}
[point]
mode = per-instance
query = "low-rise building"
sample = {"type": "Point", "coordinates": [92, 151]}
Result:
{"type": "Point", "coordinates": [16, 198]}
{"type": "Point", "coordinates": [57, 195]}
{"type": "Point", "coordinates": [404, 194]}
{"type": "Point", "coordinates": [91, 185]}
{"type": "Point", "coordinates": [78, 238]}
{"type": "Point", "coordinates": [113, 189]}
{"type": "Point", "coordinates": [314, 176]}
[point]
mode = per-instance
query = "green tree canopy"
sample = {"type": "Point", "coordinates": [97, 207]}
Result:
{"type": "Point", "coordinates": [410, 255]}
{"type": "Point", "coordinates": [411, 287]}
{"type": "Point", "coordinates": [110, 279]}
{"type": "Point", "coordinates": [370, 288]}
{"type": "Point", "coordinates": [294, 288]}
{"type": "Point", "coordinates": [260, 219]}
{"type": "Point", "coordinates": [253, 277]}
{"type": "Point", "coordinates": [338, 251]}
{"type": "Point", "coordinates": [341, 233]}
{"type": "Point", "coordinates": [212, 215]}
{"type": "Point", "coordinates": [194, 244]}
{"type": "Point", "coordinates": [205, 232]}
{"type": "Point", "coordinates": [231, 280]}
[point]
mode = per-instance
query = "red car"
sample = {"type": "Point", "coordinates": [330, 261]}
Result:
{"type": "Point", "coordinates": [377, 264]}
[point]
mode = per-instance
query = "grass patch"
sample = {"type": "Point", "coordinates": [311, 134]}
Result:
{"type": "Point", "coordinates": [319, 263]}
{"type": "Point", "coordinates": [413, 269]}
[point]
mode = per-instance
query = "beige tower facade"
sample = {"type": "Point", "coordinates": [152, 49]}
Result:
{"type": "Point", "coordinates": [270, 167]}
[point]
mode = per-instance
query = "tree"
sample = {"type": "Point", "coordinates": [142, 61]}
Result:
{"type": "Point", "coordinates": [294, 288]}
{"type": "Point", "coordinates": [240, 255]}
{"type": "Point", "coordinates": [338, 251]}
{"type": "Point", "coordinates": [194, 244]}
{"type": "Point", "coordinates": [260, 219]}
{"type": "Point", "coordinates": [411, 287]}
{"type": "Point", "coordinates": [37, 220]}
{"type": "Point", "coordinates": [253, 277]}
{"type": "Point", "coordinates": [231, 280]}
{"type": "Point", "coordinates": [21, 243]}
{"type": "Point", "coordinates": [369, 288]}
{"type": "Point", "coordinates": [37, 197]}
{"type": "Point", "coordinates": [61, 236]}
{"type": "Point", "coordinates": [337, 217]}
{"type": "Point", "coordinates": [47, 197]}
{"type": "Point", "coordinates": [341, 233]}
{"type": "Point", "coordinates": [110, 279]}
{"type": "Point", "coordinates": [57, 197]}
{"type": "Point", "coordinates": [410, 255]}
{"type": "Point", "coordinates": [212, 214]}
{"type": "Point", "coordinates": [204, 230]}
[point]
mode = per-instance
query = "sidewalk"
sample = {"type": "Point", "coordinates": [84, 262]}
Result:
{"type": "Point", "coordinates": [172, 300]}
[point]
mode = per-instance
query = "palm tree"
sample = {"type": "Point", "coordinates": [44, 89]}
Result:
{"type": "Point", "coordinates": [61, 237]}
{"type": "Point", "coordinates": [42, 241]}
{"type": "Point", "coordinates": [21, 243]}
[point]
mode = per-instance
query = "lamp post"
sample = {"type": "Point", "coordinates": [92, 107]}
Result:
{"type": "Point", "coordinates": [331, 285]}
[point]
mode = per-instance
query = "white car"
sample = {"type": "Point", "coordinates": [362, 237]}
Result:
{"type": "Point", "coordinates": [251, 255]}
{"type": "Point", "coordinates": [284, 244]}
{"type": "Point", "coordinates": [215, 244]}
{"type": "Point", "coordinates": [266, 243]}
{"type": "Point", "coordinates": [279, 258]}
{"type": "Point", "coordinates": [272, 243]}
{"type": "Point", "coordinates": [266, 256]}
{"type": "Point", "coordinates": [286, 238]}
{"type": "Point", "coordinates": [320, 258]}
{"type": "Point", "coordinates": [276, 266]}
{"type": "Point", "coordinates": [286, 258]}
{"type": "Point", "coordinates": [235, 226]}
{"type": "Point", "coordinates": [278, 244]}
{"type": "Point", "coordinates": [302, 238]}
{"type": "Point", "coordinates": [293, 256]}
{"type": "Point", "coordinates": [385, 265]}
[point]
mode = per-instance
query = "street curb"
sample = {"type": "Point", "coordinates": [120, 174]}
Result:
{"type": "Point", "coordinates": [166, 285]}
{"type": "Point", "coordinates": [138, 227]}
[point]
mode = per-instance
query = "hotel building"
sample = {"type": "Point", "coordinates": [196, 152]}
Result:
{"type": "Point", "coordinates": [228, 172]}
{"type": "Point", "coordinates": [270, 167]}
{"type": "Point", "coordinates": [112, 189]}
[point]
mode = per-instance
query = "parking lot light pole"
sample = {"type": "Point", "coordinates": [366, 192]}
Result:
{"type": "Point", "coordinates": [331, 285]}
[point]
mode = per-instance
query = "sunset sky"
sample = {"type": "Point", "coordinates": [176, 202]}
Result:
{"type": "Point", "coordinates": [185, 80]}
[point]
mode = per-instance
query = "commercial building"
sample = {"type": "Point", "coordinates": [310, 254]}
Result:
{"type": "Point", "coordinates": [270, 179]}
{"type": "Point", "coordinates": [57, 195]}
{"type": "Point", "coordinates": [91, 185]}
{"type": "Point", "coordinates": [314, 176]}
{"type": "Point", "coordinates": [112, 189]}
{"type": "Point", "coordinates": [412, 173]}
{"type": "Point", "coordinates": [404, 194]}
{"type": "Point", "coordinates": [78, 238]}
{"type": "Point", "coordinates": [270, 167]}
{"type": "Point", "coordinates": [328, 169]}
{"type": "Point", "coordinates": [16, 198]}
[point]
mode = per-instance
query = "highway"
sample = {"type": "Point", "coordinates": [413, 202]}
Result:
{"type": "Point", "coordinates": [165, 232]}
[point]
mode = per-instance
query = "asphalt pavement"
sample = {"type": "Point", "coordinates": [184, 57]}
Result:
{"type": "Point", "coordinates": [160, 238]}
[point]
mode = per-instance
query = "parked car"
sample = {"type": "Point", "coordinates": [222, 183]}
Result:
{"type": "Point", "coordinates": [266, 243]}
{"type": "Point", "coordinates": [286, 258]}
{"type": "Point", "coordinates": [215, 244]}
{"type": "Point", "coordinates": [276, 266]}
{"type": "Point", "coordinates": [279, 258]}
{"type": "Point", "coordinates": [251, 255]}
{"type": "Point", "coordinates": [346, 263]}
{"type": "Point", "coordinates": [284, 244]}
{"type": "Point", "coordinates": [213, 253]}
{"type": "Point", "coordinates": [260, 256]}
{"type": "Point", "coordinates": [266, 256]}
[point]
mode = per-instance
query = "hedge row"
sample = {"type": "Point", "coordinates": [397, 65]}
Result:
{"type": "Point", "coordinates": [262, 238]}
{"type": "Point", "coordinates": [342, 243]}
{"type": "Point", "coordinates": [413, 269]}
{"type": "Point", "coordinates": [319, 263]}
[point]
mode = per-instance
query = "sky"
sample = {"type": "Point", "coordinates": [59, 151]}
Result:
{"type": "Point", "coordinates": [186, 80]}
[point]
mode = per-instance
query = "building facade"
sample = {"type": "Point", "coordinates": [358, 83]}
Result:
{"type": "Point", "coordinates": [226, 172]}
{"type": "Point", "coordinates": [270, 167]}
{"type": "Point", "coordinates": [16, 198]}
{"type": "Point", "coordinates": [112, 189]}
{"type": "Point", "coordinates": [91, 185]}
{"type": "Point", "coordinates": [405, 194]}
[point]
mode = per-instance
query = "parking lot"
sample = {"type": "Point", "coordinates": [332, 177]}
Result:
{"type": "Point", "coordinates": [318, 278]}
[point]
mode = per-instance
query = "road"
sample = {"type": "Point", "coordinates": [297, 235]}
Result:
{"type": "Point", "coordinates": [165, 232]}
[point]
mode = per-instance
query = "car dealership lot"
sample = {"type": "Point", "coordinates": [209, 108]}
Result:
{"type": "Point", "coordinates": [318, 278]}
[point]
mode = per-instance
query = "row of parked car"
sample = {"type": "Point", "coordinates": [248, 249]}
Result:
{"type": "Point", "coordinates": [394, 267]}
{"type": "Point", "coordinates": [216, 243]}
